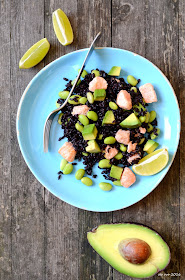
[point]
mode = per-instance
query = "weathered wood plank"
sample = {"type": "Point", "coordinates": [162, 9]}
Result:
{"type": "Point", "coordinates": [5, 138]}
{"type": "Point", "coordinates": [27, 27]}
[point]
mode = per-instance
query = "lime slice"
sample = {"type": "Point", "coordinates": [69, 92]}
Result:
{"type": "Point", "coordinates": [62, 27]}
{"type": "Point", "coordinates": [152, 163]}
{"type": "Point", "coordinates": [35, 54]}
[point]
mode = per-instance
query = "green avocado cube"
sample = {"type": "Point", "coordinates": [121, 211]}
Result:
{"type": "Point", "coordinates": [131, 121]}
{"type": "Point", "coordinates": [93, 147]}
{"type": "Point", "coordinates": [108, 118]}
{"type": "Point", "coordinates": [150, 146]}
{"type": "Point", "coordinates": [99, 94]}
{"type": "Point", "coordinates": [89, 132]}
{"type": "Point", "coordinates": [115, 71]}
{"type": "Point", "coordinates": [116, 172]}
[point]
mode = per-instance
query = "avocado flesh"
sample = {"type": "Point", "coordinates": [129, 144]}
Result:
{"type": "Point", "coordinates": [89, 132]}
{"type": "Point", "coordinates": [116, 172]}
{"type": "Point", "coordinates": [93, 147]}
{"type": "Point", "coordinates": [115, 71]}
{"type": "Point", "coordinates": [108, 118]}
{"type": "Point", "coordinates": [131, 121]}
{"type": "Point", "coordinates": [150, 146]}
{"type": "Point", "coordinates": [106, 238]}
{"type": "Point", "coordinates": [99, 94]}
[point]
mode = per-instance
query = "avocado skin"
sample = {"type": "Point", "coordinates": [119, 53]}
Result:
{"type": "Point", "coordinates": [94, 230]}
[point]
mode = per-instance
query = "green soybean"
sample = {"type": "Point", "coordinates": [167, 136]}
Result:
{"type": "Point", "coordinates": [90, 97]}
{"type": "Point", "coordinates": [149, 128]}
{"type": "Point", "coordinates": [123, 148]}
{"type": "Point", "coordinates": [59, 118]}
{"type": "Point", "coordinates": [131, 80]}
{"type": "Point", "coordinates": [87, 181]}
{"type": "Point", "coordinates": [79, 174]}
{"type": "Point", "coordinates": [147, 117]}
{"type": "Point", "coordinates": [118, 156]}
{"type": "Point", "coordinates": [79, 127]}
{"type": "Point", "coordinates": [142, 119]}
{"type": "Point", "coordinates": [100, 136]}
{"type": "Point", "coordinates": [104, 163]}
{"type": "Point", "coordinates": [141, 141]}
{"type": "Point", "coordinates": [63, 94]}
{"type": "Point", "coordinates": [117, 183]}
{"type": "Point", "coordinates": [109, 140]}
{"type": "Point", "coordinates": [113, 105]}
{"type": "Point", "coordinates": [134, 89]}
{"type": "Point", "coordinates": [153, 136]}
{"type": "Point", "coordinates": [63, 164]}
{"type": "Point", "coordinates": [57, 104]}
{"type": "Point", "coordinates": [105, 186]}
{"type": "Point", "coordinates": [71, 101]}
{"type": "Point", "coordinates": [96, 73]}
{"type": "Point", "coordinates": [152, 116]}
{"type": "Point", "coordinates": [83, 119]}
{"type": "Point", "coordinates": [82, 100]}
{"type": "Point", "coordinates": [68, 169]}
{"type": "Point", "coordinates": [92, 116]}
{"type": "Point", "coordinates": [85, 154]}
{"type": "Point", "coordinates": [84, 73]}
{"type": "Point", "coordinates": [79, 81]}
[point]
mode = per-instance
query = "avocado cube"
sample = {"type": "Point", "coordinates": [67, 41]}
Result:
{"type": "Point", "coordinates": [116, 172]}
{"type": "Point", "coordinates": [131, 121]}
{"type": "Point", "coordinates": [99, 94]}
{"type": "Point", "coordinates": [93, 147]}
{"type": "Point", "coordinates": [150, 146]}
{"type": "Point", "coordinates": [108, 118]}
{"type": "Point", "coordinates": [89, 132]}
{"type": "Point", "coordinates": [115, 71]}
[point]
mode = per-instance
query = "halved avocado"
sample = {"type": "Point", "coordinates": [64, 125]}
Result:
{"type": "Point", "coordinates": [117, 244]}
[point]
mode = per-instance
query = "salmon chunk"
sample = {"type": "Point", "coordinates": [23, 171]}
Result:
{"type": "Point", "coordinates": [131, 158]}
{"type": "Point", "coordinates": [124, 100]}
{"type": "Point", "coordinates": [128, 178]}
{"type": "Point", "coordinates": [110, 152]}
{"type": "Point", "coordinates": [98, 83]}
{"type": "Point", "coordinates": [148, 93]}
{"type": "Point", "coordinates": [80, 110]}
{"type": "Point", "coordinates": [142, 130]}
{"type": "Point", "coordinates": [131, 147]}
{"type": "Point", "coordinates": [123, 136]}
{"type": "Point", "coordinates": [67, 151]}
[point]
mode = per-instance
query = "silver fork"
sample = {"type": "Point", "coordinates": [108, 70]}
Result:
{"type": "Point", "coordinates": [51, 116]}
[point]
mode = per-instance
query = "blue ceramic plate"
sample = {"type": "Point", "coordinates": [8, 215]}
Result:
{"type": "Point", "coordinates": [38, 101]}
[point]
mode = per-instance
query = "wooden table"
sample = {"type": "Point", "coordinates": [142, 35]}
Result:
{"type": "Point", "coordinates": [42, 237]}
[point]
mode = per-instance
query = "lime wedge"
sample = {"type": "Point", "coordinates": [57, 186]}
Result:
{"type": "Point", "coordinates": [35, 54]}
{"type": "Point", "coordinates": [152, 163]}
{"type": "Point", "coordinates": [62, 27]}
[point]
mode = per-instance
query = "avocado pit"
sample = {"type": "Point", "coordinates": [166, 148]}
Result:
{"type": "Point", "coordinates": [135, 251]}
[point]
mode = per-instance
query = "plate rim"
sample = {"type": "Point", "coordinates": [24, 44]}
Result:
{"type": "Point", "coordinates": [53, 62]}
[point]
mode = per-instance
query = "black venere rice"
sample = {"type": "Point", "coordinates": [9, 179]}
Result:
{"type": "Point", "coordinates": [101, 107]}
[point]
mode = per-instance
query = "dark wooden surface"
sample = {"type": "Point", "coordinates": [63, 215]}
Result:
{"type": "Point", "coordinates": [42, 237]}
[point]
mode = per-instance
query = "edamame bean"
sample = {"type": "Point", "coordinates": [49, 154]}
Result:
{"type": "Point", "coordinates": [134, 89]}
{"type": "Point", "coordinates": [141, 141]}
{"type": "Point", "coordinates": [117, 183]}
{"type": "Point", "coordinates": [83, 119]}
{"type": "Point", "coordinates": [63, 94]}
{"type": "Point", "coordinates": [149, 128]}
{"type": "Point", "coordinates": [131, 80]}
{"type": "Point", "coordinates": [123, 148]}
{"type": "Point", "coordinates": [153, 136]}
{"type": "Point", "coordinates": [87, 181]}
{"type": "Point", "coordinates": [84, 73]}
{"type": "Point", "coordinates": [68, 169]}
{"type": "Point", "coordinates": [104, 163]}
{"type": "Point", "coordinates": [152, 116]}
{"type": "Point", "coordinates": [79, 174]}
{"type": "Point", "coordinates": [147, 117]}
{"type": "Point", "coordinates": [90, 97]}
{"type": "Point", "coordinates": [72, 101]}
{"type": "Point", "coordinates": [79, 81]}
{"type": "Point", "coordinates": [79, 127]}
{"type": "Point", "coordinates": [85, 154]}
{"type": "Point", "coordinates": [105, 186]}
{"type": "Point", "coordinates": [100, 136]}
{"type": "Point", "coordinates": [113, 105]}
{"type": "Point", "coordinates": [59, 118]}
{"type": "Point", "coordinates": [92, 116]}
{"type": "Point", "coordinates": [142, 119]}
{"type": "Point", "coordinates": [118, 156]}
{"type": "Point", "coordinates": [96, 73]}
{"type": "Point", "coordinates": [82, 100]}
{"type": "Point", "coordinates": [63, 163]}
{"type": "Point", "coordinates": [109, 140]}
{"type": "Point", "coordinates": [57, 104]}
